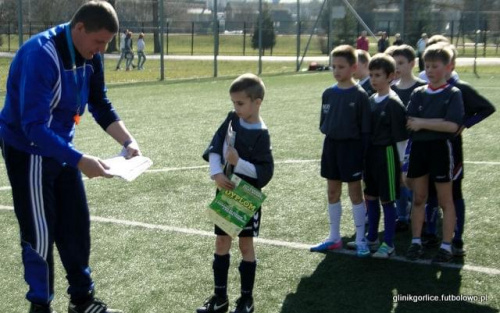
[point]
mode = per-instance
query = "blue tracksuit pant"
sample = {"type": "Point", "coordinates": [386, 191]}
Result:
{"type": "Point", "coordinates": [51, 207]}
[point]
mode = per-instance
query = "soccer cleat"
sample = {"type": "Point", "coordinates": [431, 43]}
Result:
{"type": "Point", "coordinates": [430, 240]}
{"type": "Point", "coordinates": [244, 305]}
{"type": "Point", "coordinates": [457, 248]}
{"type": "Point", "coordinates": [372, 245]}
{"type": "Point", "coordinates": [443, 256]}
{"type": "Point", "coordinates": [36, 308]}
{"type": "Point", "coordinates": [94, 305]}
{"type": "Point", "coordinates": [214, 304]}
{"type": "Point", "coordinates": [384, 252]}
{"type": "Point", "coordinates": [327, 246]}
{"type": "Point", "coordinates": [362, 250]}
{"type": "Point", "coordinates": [414, 252]}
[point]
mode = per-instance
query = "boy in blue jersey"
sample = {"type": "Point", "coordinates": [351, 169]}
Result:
{"type": "Point", "coordinates": [385, 153]}
{"type": "Point", "coordinates": [435, 114]}
{"type": "Point", "coordinates": [345, 121]}
{"type": "Point", "coordinates": [250, 158]}
{"type": "Point", "coordinates": [51, 79]}
{"type": "Point", "coordinates": [404, 56]}
{"type": "Point", "coordinates": [476, 108]}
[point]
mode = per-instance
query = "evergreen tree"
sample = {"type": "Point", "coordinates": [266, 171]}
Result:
{"type": "Point", "coordinates": [268, 34]}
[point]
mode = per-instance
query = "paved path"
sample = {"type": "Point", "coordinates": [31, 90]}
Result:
{"type": "Point", "coordinates": [319, 59]}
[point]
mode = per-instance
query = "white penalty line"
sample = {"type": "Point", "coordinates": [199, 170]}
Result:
{"type": "Point", "coordinates": [188, 168]}
{"type": "Point", "coordinates": [277, 243]}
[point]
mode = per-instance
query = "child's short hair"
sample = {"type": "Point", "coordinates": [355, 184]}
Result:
{"type": "Point", "coordinates": [363, 56]}
{"type": "Point", "coordinates": [405, 51]}
{"type": "Point", "coordinates": [141, 35]}
{"type": "Point", "coordinates": [437, 38]}
{"type": "Point", "coordinates": [347, 52]}
{"type": "Point", "coordinates": [439, 52]}
{"type": "Point", "coordinates": [390, 50]}
{"type": "Point", "coordinates": [251, 84]}
{"type": "Point", "coordinates": [382, 61]}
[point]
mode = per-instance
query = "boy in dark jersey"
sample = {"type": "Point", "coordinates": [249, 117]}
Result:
{"type": "Point", "coordinates": [435, 114]}
{"type": "Point", "coordinates": [382, 162]}
{"type": "Point", "coordinates": [362, 74]}
{"type": "Point", "coordinates": [250, 158]}
{"type": "Point", "coordinates": [476, 109]}
{"type": "Point", "coordinates": [345, 121]}
{"type": "Point", "coordinates": [404, 57]}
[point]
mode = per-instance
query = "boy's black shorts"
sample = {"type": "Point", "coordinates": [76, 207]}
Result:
{"type": "Point", "coordinates": [382, 174]}
{"type": "Point", "coordinates": [433, 157]}
{"type": "Point", "coordinates": [342, 160]}
{"type": "Point", "coordinates": [251, 229]}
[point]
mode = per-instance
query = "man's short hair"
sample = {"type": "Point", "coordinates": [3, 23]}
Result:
{"type": "Point", "coordinates": [439, 52]}
{"type": "Point", "coordinates": [251, 84]}
{"type": "Point", "coordinates": [347, 52]}
{"type": "Point", "coordinates": [382, 61]}
{"type": "Point", "coordinates": [95, 16]}
{"type": "Point", "coordinates": [405, 51]}
{"type": "Point", "coordinates": [363, 56]}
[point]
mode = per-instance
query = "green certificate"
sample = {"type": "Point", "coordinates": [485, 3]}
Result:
{"type": "Point", "coordinates": [232, 209]}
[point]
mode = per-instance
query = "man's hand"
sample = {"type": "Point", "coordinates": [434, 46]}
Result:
{"type": "Point", "coordinates": [232, 156]}
{"type": "Point", "coordinates": [223, 182]}
{"type": "Point", "coordinates": [131, 150]}
{"type": "Point", "coordinates": [93, 167]}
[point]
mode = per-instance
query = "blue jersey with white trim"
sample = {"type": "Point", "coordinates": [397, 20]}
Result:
{"type": "Point", "coordinates": [41, 100]}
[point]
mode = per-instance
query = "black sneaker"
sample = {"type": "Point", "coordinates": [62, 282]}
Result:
{"type": "Point", "coordinates": [457, 248]}
{"type": "Point", "coordinates": [430, 240]}
{"type": "Point", "coordinates": [443, 256]}
{"type": "Point", "coordinates": [414, 252]}
{"type": "Point", "coordinates": [94, 305]}
{"type": "Point", "coordinates": [402, 226]}
{"type": "Point", "coordinates": [244, 305]}
{"type": "Point", "coordinates": [36, 308]}
{"type": "Point", "coordinates": [214, 304]}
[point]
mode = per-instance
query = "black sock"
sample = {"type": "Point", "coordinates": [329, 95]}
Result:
{"type": "Point", "coordinates": [221, 268]}
{"type": "Point", "coordinates": [247, 273]}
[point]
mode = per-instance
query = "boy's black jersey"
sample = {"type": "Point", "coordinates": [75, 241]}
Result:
{"type": "Point", "coordinates": [404, 94]}
{"type": "Point", "coordinates": [388, 121]}
{"type": "Point", "coordinates": [345, 113]}
{"type": "Point", "coordinates": [446, 104]}
{"type": "Point", "coordinates": [367, 86]}
{"type": "Point", "coordinates": [476, 107]}
{"type": "Point", "coordinates": [253, 145]}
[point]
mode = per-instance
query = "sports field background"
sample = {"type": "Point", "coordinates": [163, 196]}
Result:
{"type": "Point", "coordinates": [162, 263]}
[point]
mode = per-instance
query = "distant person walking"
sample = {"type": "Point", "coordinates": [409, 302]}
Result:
{"type": "Point", "coordinates": [383, 43]}
{"type": "Point", "coordinates": [122, 48]}
{"type": "Point", "coordinates": [141, 57]}
{"type": "Point", "coordinates": [362, 42]}
{"type": "Point", "coordinates": [129, 53]}
{"type": "Point", "coordinates": [397, 40]}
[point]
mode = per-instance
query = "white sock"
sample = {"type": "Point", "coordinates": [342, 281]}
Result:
{"type": "Point", "coordinates": [418, 241]}
{"type": "Point", "coordinates": [358, 214]}
{"type": "Point", "coordinates": [335, 213]}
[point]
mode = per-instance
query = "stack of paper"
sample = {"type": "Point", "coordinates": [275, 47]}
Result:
{"type": "Point", "coordinates": [128, 169]}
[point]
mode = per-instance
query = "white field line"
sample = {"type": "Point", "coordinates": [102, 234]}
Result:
{"type": "Point", "coordinates": [271, 242]}
{"type": "Point", "coordinates": [187, 168]}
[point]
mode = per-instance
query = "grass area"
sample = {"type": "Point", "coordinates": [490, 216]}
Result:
{"type": "Point", "coordinates": [152, 270]}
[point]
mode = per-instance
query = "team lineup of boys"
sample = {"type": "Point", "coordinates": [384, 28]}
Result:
{"type": "Point", "coordinates": [392, 127]}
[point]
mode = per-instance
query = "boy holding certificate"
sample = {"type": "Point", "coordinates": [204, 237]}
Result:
{"type": "Point", "coordinates": [241, 146]}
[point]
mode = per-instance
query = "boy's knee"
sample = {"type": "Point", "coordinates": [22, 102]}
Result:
{"type": "Point", "coordinates": [246, 246]}
{"type": "Point", "coordinates": [222, 244]}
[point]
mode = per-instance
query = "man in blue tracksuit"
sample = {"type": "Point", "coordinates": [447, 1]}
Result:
{"type": "Point", "coordinates": [52, 78]}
